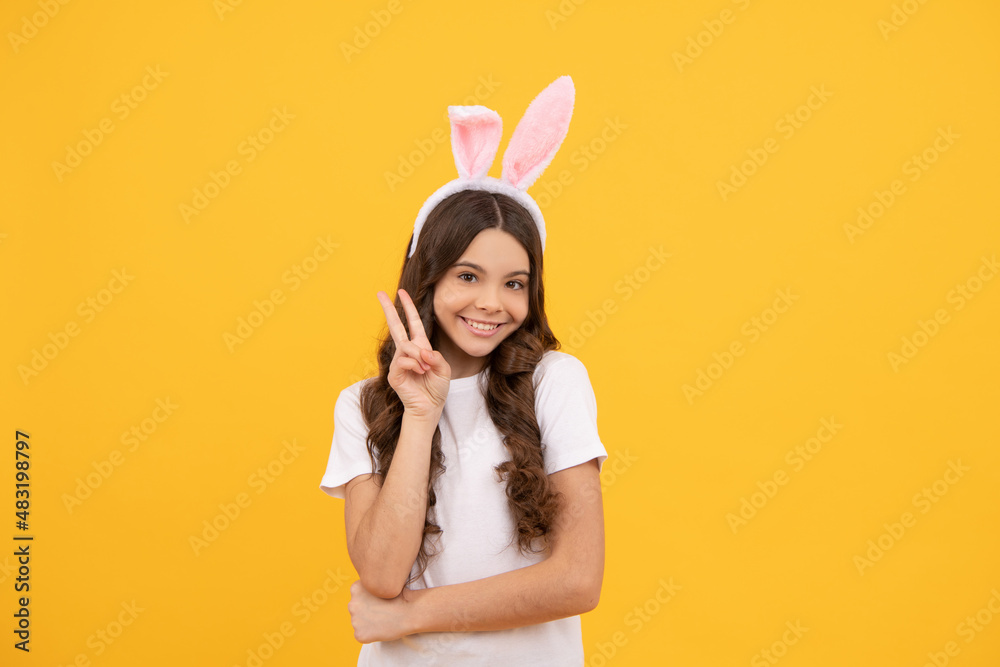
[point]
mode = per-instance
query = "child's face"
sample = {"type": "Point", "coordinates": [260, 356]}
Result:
{"type": "Point", "coordinates": [494, 291]}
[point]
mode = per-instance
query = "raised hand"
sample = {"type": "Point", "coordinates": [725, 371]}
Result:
{"type": "Point", "coordinates": [419, 375]}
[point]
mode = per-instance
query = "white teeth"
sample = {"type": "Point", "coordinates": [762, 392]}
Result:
{"type": "Point", "coordinates": [482, 327]}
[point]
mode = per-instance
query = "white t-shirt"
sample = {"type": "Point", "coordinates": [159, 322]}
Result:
{"type": "Point", "coordinates": [478, 532]}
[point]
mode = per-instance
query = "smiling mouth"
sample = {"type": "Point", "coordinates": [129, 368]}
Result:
{"type": "Point", "coordinates": [481, 326]}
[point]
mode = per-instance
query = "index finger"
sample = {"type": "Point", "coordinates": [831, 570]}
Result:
{"type": "Point", "coordinates": [396, 329]}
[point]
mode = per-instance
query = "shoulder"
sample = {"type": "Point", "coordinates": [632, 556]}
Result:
{"type": "Point", "coordinates": [560, 367]}
{"type": "Point", "coordinates": [566, 411]}
{"type": "Point", "coordinates": [559, 370]}
{"type": "Point", "coordinates": [354, 389]}
{"type": "Point", "coordinates": [350, 397]}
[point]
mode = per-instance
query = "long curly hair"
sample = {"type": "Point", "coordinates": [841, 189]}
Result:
{"type": "Point", "coordinates": [509, 390]}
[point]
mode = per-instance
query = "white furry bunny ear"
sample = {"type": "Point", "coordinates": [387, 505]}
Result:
{"type": "Point", "coordinates": [475, 137]}
{"type": "Point", "coordinates": [539, 134]}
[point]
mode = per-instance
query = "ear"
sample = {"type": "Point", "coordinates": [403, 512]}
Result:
{"type": "Point", "coordinates": [539, 134]}
{"type": "Point", "coordinates": [475, 137]}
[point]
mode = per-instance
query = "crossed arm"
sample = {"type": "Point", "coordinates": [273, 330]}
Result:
{"type": "Point", "coordinates": [566, 583]}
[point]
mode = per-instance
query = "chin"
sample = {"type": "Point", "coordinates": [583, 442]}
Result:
{"type": "Point", "coordinates": [481, 351]}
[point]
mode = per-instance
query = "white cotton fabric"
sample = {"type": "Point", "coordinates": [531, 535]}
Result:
{"type": "Point", "coordinates": [478, 531]}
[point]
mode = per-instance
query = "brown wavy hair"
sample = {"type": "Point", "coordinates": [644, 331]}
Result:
{"type": "Point", "coordinates": [509, 388]}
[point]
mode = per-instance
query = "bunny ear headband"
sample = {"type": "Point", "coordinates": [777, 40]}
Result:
{"type": "Point", "coordinates": [475, 137]}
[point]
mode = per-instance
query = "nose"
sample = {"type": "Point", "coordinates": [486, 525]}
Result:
{"type": "Point", "coordinates": [489, 300]}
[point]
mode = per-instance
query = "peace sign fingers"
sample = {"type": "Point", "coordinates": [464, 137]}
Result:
{"type": "Point", "coordinates": [419, 375]}
{"type": "Point", "coordinates": [417, 334]}
{"type": "Point", "coordinates": [396, 329]}
{"type": "Point", "coordinates": [404, 344]}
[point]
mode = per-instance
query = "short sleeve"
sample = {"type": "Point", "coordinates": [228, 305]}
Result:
{"type": "Point", "coordinates": [349, 451]}
{"type": "Point", "coordinates": [566, 410]}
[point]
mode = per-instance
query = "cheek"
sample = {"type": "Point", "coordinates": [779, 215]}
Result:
{"type": "Point", "coordinates": [445, 296]}
{"type": "Point", "coordinates": [521, 309]}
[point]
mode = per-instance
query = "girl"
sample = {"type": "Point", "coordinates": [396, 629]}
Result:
{"type": "Point", "coordinates": [469, 466]}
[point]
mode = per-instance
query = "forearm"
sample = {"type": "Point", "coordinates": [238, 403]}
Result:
{"type": "Point", "coordinates": [538, 593]}
{"type": "Point", "coordinates": [566, 583]}
{"type": "Point", "coordinates": [391, 532]}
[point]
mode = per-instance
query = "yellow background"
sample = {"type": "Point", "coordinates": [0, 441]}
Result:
{"type": "Point", "coordinates": [684, 461]}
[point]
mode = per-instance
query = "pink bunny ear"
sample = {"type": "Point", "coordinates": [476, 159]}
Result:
{"type": "Point", "coordinates": [539, 134]}
{"type": "Point", "coordinates": [475, 137]}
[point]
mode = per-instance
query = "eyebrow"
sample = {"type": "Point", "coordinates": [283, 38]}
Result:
{"type": "Point", "coordinates": [481, 270]}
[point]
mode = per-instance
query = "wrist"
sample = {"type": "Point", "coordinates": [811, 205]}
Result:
{"type": "Point", "coordinates": [412, 620]}
{"type": "Point", "coordinates": [423, 421]}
